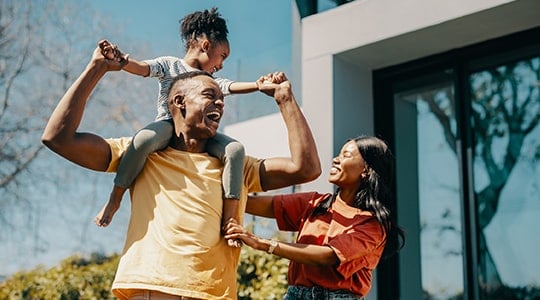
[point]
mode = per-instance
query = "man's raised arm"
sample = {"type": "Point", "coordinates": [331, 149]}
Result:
{"type": "Point", "coordinates": [304, 164]}
{"type": "Point", "coordinates": [61, 136]}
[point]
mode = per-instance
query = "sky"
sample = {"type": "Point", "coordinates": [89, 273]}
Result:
{"type": "Point", "coordinates": [255, 26]}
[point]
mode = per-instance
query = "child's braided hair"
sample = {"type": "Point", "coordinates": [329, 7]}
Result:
{"type": "Point", "coordinates": [207, 23]}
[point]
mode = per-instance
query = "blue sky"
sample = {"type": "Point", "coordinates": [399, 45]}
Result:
{"type": "Point", "coordinates": [255, 26]}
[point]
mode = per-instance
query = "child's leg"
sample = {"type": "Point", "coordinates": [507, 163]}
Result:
{"type": "Point", "coordinates": [153, 137]}
{"type": "Point", "coordinates": [231, 153]}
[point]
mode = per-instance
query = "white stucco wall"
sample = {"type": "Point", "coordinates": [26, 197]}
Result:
{"type": "Point", "coordinates": [262, 137]}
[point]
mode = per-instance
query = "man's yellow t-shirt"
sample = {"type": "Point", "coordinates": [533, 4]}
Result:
{"type": "Point", "coordinates": [174, 242]}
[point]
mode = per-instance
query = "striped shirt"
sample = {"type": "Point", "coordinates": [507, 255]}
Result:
{"type": "Point", "coordinates": [166, 68]}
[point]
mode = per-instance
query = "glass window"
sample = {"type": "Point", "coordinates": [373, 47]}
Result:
{"type": "Point", "coordinates": [428, 186]}
{"type": "Point", "coordinates": [505, 111]}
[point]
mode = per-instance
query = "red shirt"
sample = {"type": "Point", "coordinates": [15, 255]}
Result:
{"type": "Point", "coordinates": [355, 235]}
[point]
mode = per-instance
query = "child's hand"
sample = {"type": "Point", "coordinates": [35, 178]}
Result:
{"type": "Point", "coordinates": [107, 64]}
{"type": "Point", "coordinates": [111, 52]}
{"type": "Point", "coordinates": [273, 82]}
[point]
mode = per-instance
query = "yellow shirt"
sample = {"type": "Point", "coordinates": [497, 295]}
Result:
{"type": "Point", "coordinates": [174, 243]}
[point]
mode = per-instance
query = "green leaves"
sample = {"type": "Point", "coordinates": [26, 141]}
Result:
{"type": "Point", "coordinates": [75, 278]}
{"type": "Point", "coordinates": [260, 276]}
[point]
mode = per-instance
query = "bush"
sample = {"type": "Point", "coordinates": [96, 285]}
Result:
{"type": "Point", "coordinates": [75, 278]}
{"type": "Point", "coordinates": [260, 276]}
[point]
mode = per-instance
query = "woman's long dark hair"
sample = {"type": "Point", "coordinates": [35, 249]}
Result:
{"type": "Point", "coordinates": [375, 192]}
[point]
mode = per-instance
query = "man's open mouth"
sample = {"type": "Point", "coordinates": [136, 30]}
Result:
{"type": "Point", "coordinates": [214, 116]}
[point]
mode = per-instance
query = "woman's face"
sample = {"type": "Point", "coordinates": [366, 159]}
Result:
{"type": "Point", "coordinates": [347, 167]}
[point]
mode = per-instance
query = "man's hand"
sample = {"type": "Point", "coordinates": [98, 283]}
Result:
{"type": "Point", "coordinates": [99, 59]}
{"type": "Point", "coordinates": [112, 52]}
{"type": "Point", "coordinates": [275, 85]}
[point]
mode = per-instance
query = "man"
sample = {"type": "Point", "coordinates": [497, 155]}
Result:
{"type": "Point", "coordinates": [173, 248]}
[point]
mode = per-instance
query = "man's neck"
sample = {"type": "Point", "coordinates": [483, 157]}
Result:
{"type": "Point", "coordinates": [188, 144]}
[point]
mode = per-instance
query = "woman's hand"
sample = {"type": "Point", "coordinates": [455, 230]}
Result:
{"type": "Point", "coordinates": [238, 232]}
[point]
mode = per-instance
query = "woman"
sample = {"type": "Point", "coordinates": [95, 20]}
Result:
{"type": "Point", "coordinates": [341, 236]}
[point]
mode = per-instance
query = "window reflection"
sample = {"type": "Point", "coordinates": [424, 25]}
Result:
{"type": "Point", "coordinates": [505, 116]}
{"type": "Point", "coordinates": [426, 129]}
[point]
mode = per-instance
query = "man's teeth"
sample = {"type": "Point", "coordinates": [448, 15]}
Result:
{"type": "Point", "coordinates": [214, 115]}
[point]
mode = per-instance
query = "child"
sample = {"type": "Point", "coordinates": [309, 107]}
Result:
{"type": "Point", "coordinates": [205, 36]}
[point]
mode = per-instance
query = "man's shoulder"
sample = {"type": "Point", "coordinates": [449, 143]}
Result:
{"type": "Point", "coordinates": [118, 147]}
{"type": "Point", "coordinates": [119, 143]}
{"type": "Point", "coordinates": [252, 178]}
{"type": "Point", "coordinates": [252, 161]}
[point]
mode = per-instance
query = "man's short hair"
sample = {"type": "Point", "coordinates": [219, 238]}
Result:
{"type": "Point", "coordinates": [185, 76]}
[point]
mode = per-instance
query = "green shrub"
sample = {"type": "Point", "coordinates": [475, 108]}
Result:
{"type": "Point", "coordinates": [260, 276]}
{"type": "Point", "coordinates": [75, 278]}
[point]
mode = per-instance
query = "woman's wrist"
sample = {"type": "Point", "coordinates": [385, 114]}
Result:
{"type": "Point", "coordinates": [271, 246]}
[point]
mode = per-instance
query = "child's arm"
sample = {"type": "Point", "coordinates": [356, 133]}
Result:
{"type": "Point", "coordinates": [243, 87]}
{"type": "Point", "coordinates": [112, 52]}
{"type": "Point", "coordinates": [137, 67]}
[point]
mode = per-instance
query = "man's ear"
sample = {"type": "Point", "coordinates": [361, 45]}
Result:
{"type": "Point", "coordinates": [178, 101]}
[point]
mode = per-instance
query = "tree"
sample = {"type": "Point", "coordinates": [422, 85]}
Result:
{"type": "Point", "coordinates": [15, 154]}
{"type": "Point", "coordinates": [506, 108]}
{"type": "Point", "coordinates": [44, 45]}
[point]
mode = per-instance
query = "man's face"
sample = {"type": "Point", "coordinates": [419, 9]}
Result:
{"type": "Point", "coordinates": [202, 107]}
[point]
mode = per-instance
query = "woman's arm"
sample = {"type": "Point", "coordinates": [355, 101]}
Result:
{"type": "Point", "coordinates": [301, 253]}
{"type": "Point", "coordinates": [261, 206]}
